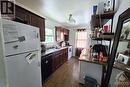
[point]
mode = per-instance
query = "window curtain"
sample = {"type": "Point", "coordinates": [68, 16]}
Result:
{"type": "Point", "coordinates": [81, 39]}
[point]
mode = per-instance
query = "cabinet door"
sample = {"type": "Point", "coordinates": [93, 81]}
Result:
{"type": "Point", "coordinates": [34, 20]}
{"type": "Point", "coordinates": [62, 34]}
{"type": "Point", "coordinates": [65, 31]}
{"type": "Point", "coordinates": [55, 62]}
{"type": "Point", "coordinates": [65, 55]}
{"type": "Point", "coordinates": [68, 32]}
{"type": "Point", "coordinates": [58, 33]}
{"type": "Point", "coordinates": [60, 59]}
{"type": "Point", "coordinates": [42, 28]}
{"type": "Point", "coordinates": [22, 15]}
{"type": "Point", "coordinates": [40, 23]}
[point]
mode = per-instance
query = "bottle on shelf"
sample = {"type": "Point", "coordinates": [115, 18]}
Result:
{"type": "Point", "coordinates": [95, 55]}
{"type": "Point", "coordinates": [100, 56]}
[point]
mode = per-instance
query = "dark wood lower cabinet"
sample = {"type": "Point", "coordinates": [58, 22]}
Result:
{"type": "Point", "coordinates": [59, 58]}
{"type": "Point", "coordinates": [51, 62]}
{"type": "Point", "coordinates": [56, 60]}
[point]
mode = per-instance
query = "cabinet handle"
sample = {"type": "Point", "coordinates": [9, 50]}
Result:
{"type": "Point", "coordinates": [15, 47]}
{"type": "Point", "coordinates": [39, 63]}
{"type": "Point", "coordinates": [46, 62]}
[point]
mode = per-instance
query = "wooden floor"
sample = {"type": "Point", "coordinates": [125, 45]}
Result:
{"type": "Point", "coordinates": [65, 76]}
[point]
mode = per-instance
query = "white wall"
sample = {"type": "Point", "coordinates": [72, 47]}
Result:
{"type": "Point", "coordinates": [123, 5]}
{"type": "Point", "coordinates": [72, 40]}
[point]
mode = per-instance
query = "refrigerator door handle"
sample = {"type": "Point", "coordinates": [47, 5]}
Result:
{"type": "Point", "coordinates": [39, 64]}
{"type": "Point", "coordinates": [46, 61]}
{"type": "Point", "coordinates": [37, 35]}
{"type": "Point", "coordinates": [30, 57]}
{"type": "Point", "coordinates": [15, 46]}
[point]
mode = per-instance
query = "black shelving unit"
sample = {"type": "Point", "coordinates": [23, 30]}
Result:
{"type": "Point", "coordinates": [99, 20]}
{"type": "Point", "coordinates": [124, 16]}
{"type": "Point", "coordinates": [100, 39]}
{"type": "Point", "coordinates": [124, 40]}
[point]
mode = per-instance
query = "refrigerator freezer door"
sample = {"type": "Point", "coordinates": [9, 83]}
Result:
{"type": "Point", "coordinates": [24, 70]}
{"type": "Point", "coordinates": [20, 38]}
{"type": "Point", "coordinates": [2, 64]}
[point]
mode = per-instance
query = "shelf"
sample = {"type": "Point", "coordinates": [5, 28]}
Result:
{"type": "Point", "coordinates": [121, 66]}
{"type": "Point", "coordinates": [124, 40]}
{"type": "Point", "coordinates": [99, 20]}
{"type": "Point", "coordinates": [103, 37]}
{"type": "Point", "coordinates": [109, 39]}
{"type": "Point", "coordinates": [108, 15]}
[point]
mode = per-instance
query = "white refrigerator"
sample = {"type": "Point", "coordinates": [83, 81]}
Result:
{"type": "Point", "coordinates": [21, 60]}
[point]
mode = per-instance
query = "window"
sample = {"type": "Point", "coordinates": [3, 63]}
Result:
{"type": "Point", "coordinates": [49, 35]}
{"type": "Point", "coordinates": [81, 39]}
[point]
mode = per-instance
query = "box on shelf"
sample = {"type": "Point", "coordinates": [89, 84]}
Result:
{"type": "Point", "coordinates": [104, 7]}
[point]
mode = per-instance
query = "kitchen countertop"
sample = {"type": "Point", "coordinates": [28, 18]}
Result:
{"type": "Point", "coordinates": [119, 66]}
{"type": "Point", "coordinates": [89, 60]}
{"type": "Point", "coordinates": [52, 50]}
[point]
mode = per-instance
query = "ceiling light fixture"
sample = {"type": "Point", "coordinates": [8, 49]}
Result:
{"type": "Point", "coordinates": [71, 19]}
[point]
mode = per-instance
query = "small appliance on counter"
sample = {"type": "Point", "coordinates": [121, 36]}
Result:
{"type": "Point", "coordinates": [64, 43]}
{"type": "Point", "coordinates": [121, 58]}
{"type": "Point", "coordinates": [99, 51]}
{"type": "Point", "coordinates": [43, 47]}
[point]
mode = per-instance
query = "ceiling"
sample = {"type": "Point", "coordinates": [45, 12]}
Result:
{"type": "Point", "coordinates": [59, 10]}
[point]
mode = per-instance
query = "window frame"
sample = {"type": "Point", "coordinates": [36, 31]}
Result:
{"type": "Point", "coordinates": [53, 36]}
{"type": "Point", "coordinates": [81, 39]}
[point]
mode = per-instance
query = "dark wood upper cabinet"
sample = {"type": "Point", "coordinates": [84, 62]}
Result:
{"type": "Point", "coordinates": [61, 33]}
{"type": "Point", "coordinates": [57, 33]}
{"type": "Point", "coordinates": [66, 31]}
{"type": "Point", "coordinates": [24, 16]}
{"type": "Point", "coordinates": [40, 23]}
{"type": "Point", "coordinates": [34, 20]}
{"type": "Point", "coordinates": [42, 28]}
